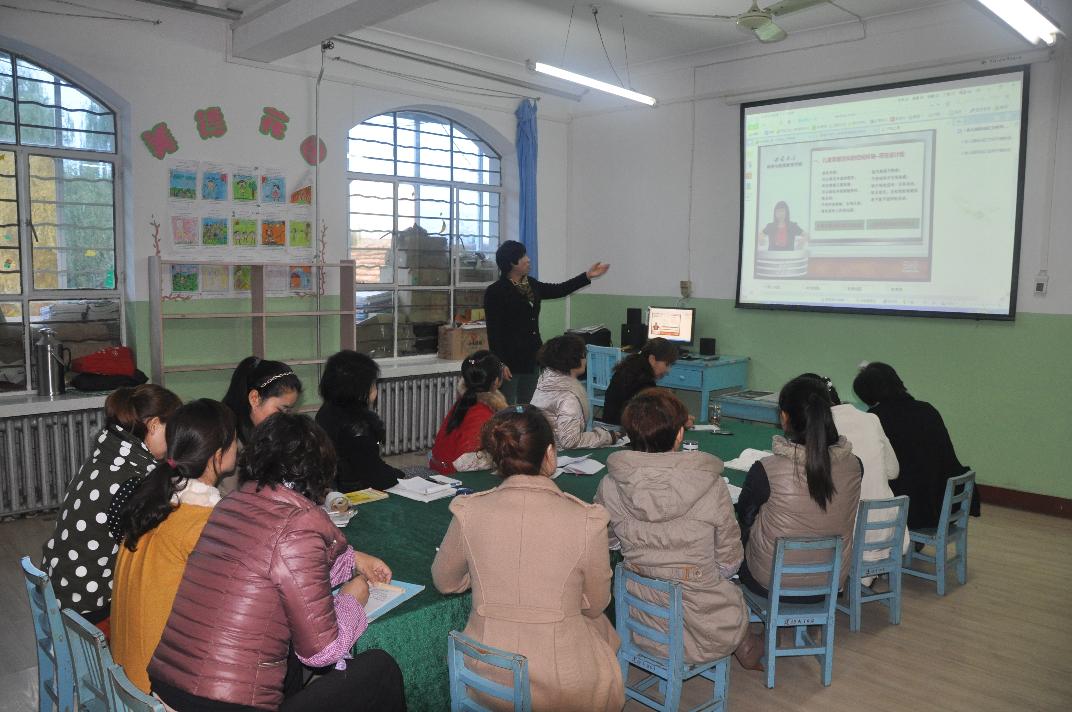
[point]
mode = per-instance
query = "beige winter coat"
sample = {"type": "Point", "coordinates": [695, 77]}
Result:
{"type": "Point", "coordinates": [537, 561]}
{"type": "Point", "coordinates": [563, 399]}
{"type": "Point", "coordinates": [791, 512]}
{"type": "Point", "coordinates": [672, 514]}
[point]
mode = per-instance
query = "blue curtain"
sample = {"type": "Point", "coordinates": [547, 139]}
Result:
{"type": "Point", "coordinates": [526, 164]}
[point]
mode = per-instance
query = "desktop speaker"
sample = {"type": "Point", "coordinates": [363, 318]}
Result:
{"type": "Point", "coordinates": [708, 347]}
{"type": "Point", "coordinates": [632, 316]}
{"type": "Point", "coordinates": [634, 335]}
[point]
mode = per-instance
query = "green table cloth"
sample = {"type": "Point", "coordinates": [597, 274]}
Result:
{"type": "Point", "coordinates": [405, 534]}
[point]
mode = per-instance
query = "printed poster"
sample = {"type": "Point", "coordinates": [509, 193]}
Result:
{"type": "Point", "coordinates": [184, 279]}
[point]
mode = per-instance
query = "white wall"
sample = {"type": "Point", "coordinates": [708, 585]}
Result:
{"type": "Point", "coordinates": [632, 172]}
{"type": "Point", "coordinates": [166, 72]}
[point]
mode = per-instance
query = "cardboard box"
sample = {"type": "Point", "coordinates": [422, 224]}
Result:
{"type": "Point", "coordinates": [457, 343]}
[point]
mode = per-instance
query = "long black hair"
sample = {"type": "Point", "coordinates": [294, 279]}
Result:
{"type": "Point", "coordinates": [636, 369]}
{"type": "Point", "coordinates": [809, 422]}
{"type": "Point", "coordinates": [479, 371]}
{"type": "Point", "coordinates": [877, 382]}
{"type": "Point", "coordinates": [290, 450]}
{"type": "Point", "coordinates": [195, 433]}
{"type": "Point", "coordinates": [828, 383]}
{"type": "Point", "coordinates": [348, 378]}
{"type": "Point", "coordinates": [268, 378]}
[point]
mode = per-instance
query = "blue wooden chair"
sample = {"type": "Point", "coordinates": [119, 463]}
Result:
{"type": "Point", "coordinates": [92, 661]}
{"type": "Point", "coordinates": [892, 542]}
{"type": "Point", "coordinates": [463, 679]}
{"type": "Point", "coordinates": [127, 696]}
{"type": "Point", "coordinates": [775, 613]}
{"type": "Point", "coordinates": [671, 672]}
{"type": "Point", "coordinates": [601, 363]}
{"type": "Point", "coordinates": [55, 672]}
{"type": "Point", "coordinates": [952, 527]}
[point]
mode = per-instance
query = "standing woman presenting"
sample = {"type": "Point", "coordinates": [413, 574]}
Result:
{"type": "Point", "coordinates": [512, 308]}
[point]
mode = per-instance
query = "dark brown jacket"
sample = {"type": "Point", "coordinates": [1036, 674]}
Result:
{"type": "Point", "coordinates": [258, 580]}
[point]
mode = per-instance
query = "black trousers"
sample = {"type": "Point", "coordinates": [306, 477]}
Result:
{"type": "Point", "coordinates": [371, 682]}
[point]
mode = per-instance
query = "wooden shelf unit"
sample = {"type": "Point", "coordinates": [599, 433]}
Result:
{"type": "Point", "coordinates": [258, 314]}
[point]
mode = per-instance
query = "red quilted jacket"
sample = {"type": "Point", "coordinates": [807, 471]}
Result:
{"type": "Point", "coordinates": [258, 579]}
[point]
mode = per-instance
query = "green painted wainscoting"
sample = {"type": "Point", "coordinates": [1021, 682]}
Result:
{"type": "Point", "coordinates": [1004, 388]}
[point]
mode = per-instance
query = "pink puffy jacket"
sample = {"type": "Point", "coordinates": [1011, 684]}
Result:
{"type": "Point", "coordinates": [257, 581]}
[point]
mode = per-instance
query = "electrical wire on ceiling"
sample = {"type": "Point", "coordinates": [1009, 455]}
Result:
{"type": "Point", "coordinates": [595, 16]}
{"type": "Point", "coordinates": [568, 28]}
{"type": "Point", "coordinates": [112, 14]}
{"type": "Point", "coordinates": [438, 83]}
{"type": "Point", "coordinates": [625, 49]}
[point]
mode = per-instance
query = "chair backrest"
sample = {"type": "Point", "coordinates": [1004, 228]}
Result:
{"type": "Point", "coordinates": [463, 678]}
{"type": "Point", "coordinates": [628, 625]}
{"type": "Point", "coordinates": [601, 363]}
{"type": "Point", "coordinates": [53, 652]}
{"type": "Point", "coordinates": [887, 516]}
{"type": "Point", "coordinates": [127, 696]}
{"type": "Point", "coordinates": [92, 660]}
{"type": "Point", "coordinates": [956, 504]}
{"type": "Point", "coordinates": [827, 567]}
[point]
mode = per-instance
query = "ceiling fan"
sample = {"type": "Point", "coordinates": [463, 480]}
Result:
{"type": "Point", "coordinates": [755, 19]}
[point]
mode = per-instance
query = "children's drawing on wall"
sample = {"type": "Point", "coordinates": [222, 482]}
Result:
{"type": "Point", "coordinates": [215, 279]}
{"type": "Point", "coordinates": [276, 278]}
{"type": "Point", "coordinates": [213, 185]}
{"type": "Point", "coordinates": [301, 234]}
{"type": "Point", "coordinates": [242, 278]}
{"type": "Point", "coordinates": [184, 278]}
{"type": "Point", "coordinates": [182, 183]}
{"type": "Point", "coordinates": [245, 186]}
{"type": "Point", "coordinates": [184, 231]}
{"type": "Point", "coordinates": [244, 232]}
{"type": "Point", "coordinates": [301, 278]}
{"type": "Point", "coordinates": [273, 233]}
{"type": "Point", "coordinates": [273, 189]}
{"type": "Point", "coordinates": [214, 232]}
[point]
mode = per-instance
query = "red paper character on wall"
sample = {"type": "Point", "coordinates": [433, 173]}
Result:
{"type": "Point", "coordinates": [210, 122]}
{"type": "Point", "coordinates": [160, 141]}
{"type": "Point", "coordinates": [274, 123]}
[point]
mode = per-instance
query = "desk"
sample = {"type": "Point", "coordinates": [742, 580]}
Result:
{"type": "Point", "coordinates": [707, 376]}
{"type": "Point", "coordinates": [405, 534]}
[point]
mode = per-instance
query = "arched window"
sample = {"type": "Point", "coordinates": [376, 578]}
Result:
{"type": "Point", "coordinates": [59, 252]}
{"type": "Point", "coordinates": [425, 208]}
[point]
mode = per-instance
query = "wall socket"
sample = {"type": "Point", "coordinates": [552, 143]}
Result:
{"type": "Point", "coordinates": [686, 288]}
{"type": "Point", "coordinates": [1042, 283]}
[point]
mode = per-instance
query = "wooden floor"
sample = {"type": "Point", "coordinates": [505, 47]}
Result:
{"type": "Point", "coordinates": [1003, 642]}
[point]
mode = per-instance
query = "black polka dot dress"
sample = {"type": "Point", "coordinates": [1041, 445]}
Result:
{"type": "Point", "coordinates": [80, 557]}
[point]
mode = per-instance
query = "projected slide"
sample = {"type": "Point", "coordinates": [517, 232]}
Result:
{"type": "Point", "coordinates": [901, 199]}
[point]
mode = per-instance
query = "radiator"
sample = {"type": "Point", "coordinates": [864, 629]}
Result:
{"type": "Point", "coordinates": [413, 409]}
{"type": "Point", "coordinates": [40, 454]}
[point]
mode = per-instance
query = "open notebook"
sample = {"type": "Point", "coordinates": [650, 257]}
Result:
{"type": "Point", "coordinates": [386, 596]}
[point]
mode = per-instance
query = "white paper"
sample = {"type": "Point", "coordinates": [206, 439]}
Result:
{"type": "Point", "coordinates": [706, 428]}
{"type": "Point", "coordinates": [746, 459]}
{"type": "Point", "coordinates": [564, 460]}
{"type": "Point", "coordinates": [735, 491]}
{"type": "Point", "coordinates": [422, 490]}
{"type": "Point", "coordinates": [584, 467]}
{"type": "Point", "coordinates": [380, 596]}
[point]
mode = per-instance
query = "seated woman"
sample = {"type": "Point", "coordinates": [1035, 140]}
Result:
{"type": "Point", "coordinates": [79, 557]}
{"type": "Point", "coordinates": [635, 373]}
{"type": "Point", "coordinates": [260, 582]}
{"type": "Point", "coordinates": [672, 514]}
{"type": "Point", "coordinates": [920, 440]}
{"type": "Point", "coordinates": [544, 570]}
{"type": "Point", "coordinates": [457, 444]}
{"type": "Point", "coordinates": [562, 397]}
{"type": "Point", "coordinates": [778, 500]}
{"type": "Point", "coordinates": [348, 388]}
{"type": "Point", "coordinates": [258, 389]}
{"type": "Point", "coordinates": [159, 524]}
{"type": "Point", "coordinates": [869, 443]}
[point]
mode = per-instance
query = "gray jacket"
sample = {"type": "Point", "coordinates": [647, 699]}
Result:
{"type": "Point", "coordinates": [563, 399]}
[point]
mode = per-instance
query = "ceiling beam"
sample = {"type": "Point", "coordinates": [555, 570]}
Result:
{"type": "Point", "coordinates": [297, 25]}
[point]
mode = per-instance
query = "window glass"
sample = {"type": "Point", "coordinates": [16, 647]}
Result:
{"type": "Point", "coordinates": [12, 349]}
{"type": "Point", "coordinates": [10, 259]}
{"type": "Point", "coordinates": [54, 113]}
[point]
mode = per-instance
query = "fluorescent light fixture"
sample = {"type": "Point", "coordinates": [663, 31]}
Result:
{"type": "Point", "coordinates": [589, 82]}
{"type": "Point", "coordinates": [1025, 19]}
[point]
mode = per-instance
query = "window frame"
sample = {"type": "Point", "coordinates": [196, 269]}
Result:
{"type": "Point", "coordinates": [23, 152]}
{"type": "Point", "coordinates": [456, 248]}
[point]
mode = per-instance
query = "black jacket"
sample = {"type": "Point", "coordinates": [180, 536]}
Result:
{"type": "Point", "coordinates": [514, 323]}
{"type": "Point", "coordinates": [926, 456]}
{"type": "Point", "coordinates": [357, 434]}
{"type": "Point", "coordinates": [632, 375]}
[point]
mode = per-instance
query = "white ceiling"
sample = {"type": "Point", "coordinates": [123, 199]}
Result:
{"type": "Point", "coordinates": [518, 30]}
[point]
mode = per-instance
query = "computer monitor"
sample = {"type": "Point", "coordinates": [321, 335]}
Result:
{"type": "Point", "coordinates": [671, 323]}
